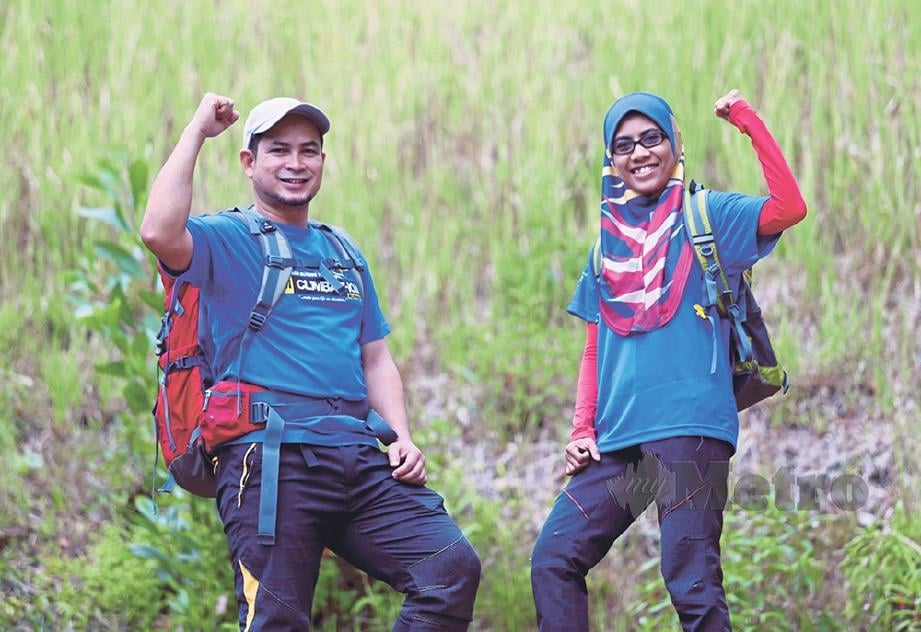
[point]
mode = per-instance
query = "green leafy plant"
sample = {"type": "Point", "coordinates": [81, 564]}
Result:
{"type": "Point", "coordinates": [122, 589]}
{"type": "Point", "coordinates": [882, 567]}
{"type": "Point", "coordinates": [106, 587]}
{"type": "Point", "coordinates": [771, 576]}
{"type": "Point", "coordinates": [772, 571]}
{"type": "Point", "coordinates": [112, 286]}
{"type": "Point", "coordinates": [184, 544]}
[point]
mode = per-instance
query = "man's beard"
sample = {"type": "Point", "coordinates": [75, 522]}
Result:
{"type": "Point", "coordinates": [291, 201]}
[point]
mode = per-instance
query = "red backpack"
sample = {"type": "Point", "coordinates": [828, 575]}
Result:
{"type": "Point", "coordinates": [186, 354]}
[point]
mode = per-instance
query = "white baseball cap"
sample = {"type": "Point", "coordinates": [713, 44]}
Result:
{"type": "Point", "coordinates": [264, 116]}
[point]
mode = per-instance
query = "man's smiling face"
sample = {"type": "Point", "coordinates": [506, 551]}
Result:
{"type": "Point", "coordinates": [287, 169]}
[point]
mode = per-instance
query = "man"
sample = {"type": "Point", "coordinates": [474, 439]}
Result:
{"type": "Point", "coordinates": [322, 357]}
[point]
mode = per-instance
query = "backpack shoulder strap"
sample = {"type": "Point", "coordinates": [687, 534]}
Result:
{"type": "Point", "coordinates": [719, 292]}
{"type": "Point", "coordinates": [346, 248]}
{"type": "Point", "coordinates": [596, 257]}
{"type": "Point", "coordinates": [700, 232]}
{"type": "Point", "coordinates": [343, 241]}
{"type": "Point", "coordinates": [278, 263]}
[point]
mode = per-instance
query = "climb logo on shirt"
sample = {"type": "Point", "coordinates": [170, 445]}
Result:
{"type": "Point", "coordinates": [310, 285]}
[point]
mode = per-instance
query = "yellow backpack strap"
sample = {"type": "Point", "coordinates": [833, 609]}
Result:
{"type": "Point", "coordinates": [700, 231]}
{"type": "Point", "coordinates": [596, 257]}
{"type": "Point", "coordinates": [695, 230]}
{"type": "Point", "coordinates": [719, 292]}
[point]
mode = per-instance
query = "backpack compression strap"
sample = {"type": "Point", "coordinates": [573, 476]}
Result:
{"type": "Point", "coordinates": [719, 293]}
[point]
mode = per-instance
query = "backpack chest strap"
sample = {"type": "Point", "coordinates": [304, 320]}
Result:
{"type": "Point", "coordinates": [325, 267]}
{"type": "Point", "coordinates": [310, 263]}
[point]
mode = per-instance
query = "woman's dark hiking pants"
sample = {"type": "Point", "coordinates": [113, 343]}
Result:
{"type": "Point", "coordinates": [687, 477]}
{"type": "Point", "coordinates": [345, 499]}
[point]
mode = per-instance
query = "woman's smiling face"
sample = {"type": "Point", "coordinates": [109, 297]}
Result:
{"type": "Point", "coordinates": [645, 170]}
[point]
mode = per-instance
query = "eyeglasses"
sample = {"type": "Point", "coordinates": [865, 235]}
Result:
{"type": "Point", "coordinates": [624, 146]}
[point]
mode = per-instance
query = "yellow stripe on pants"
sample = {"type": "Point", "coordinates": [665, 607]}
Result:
{"type": "Point", "coordinates": [250, 588]}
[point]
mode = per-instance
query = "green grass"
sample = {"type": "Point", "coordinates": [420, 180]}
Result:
{"type": "Point", "coordinates": [464, 159]}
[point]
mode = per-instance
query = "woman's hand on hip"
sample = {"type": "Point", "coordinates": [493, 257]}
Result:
{"type": "Point", "coordinates": [579, 453]}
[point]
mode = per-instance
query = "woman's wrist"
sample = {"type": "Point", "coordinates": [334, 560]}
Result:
{"type": "Point", "coordinates": [741, 114]}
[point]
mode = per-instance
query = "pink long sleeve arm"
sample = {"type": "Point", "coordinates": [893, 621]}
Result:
{"type": "Point", "coordinates": [583, 418]}
{"type": "Point", "coordinates": [786, 206]}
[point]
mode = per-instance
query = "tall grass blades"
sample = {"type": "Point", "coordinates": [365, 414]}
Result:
{"type": "Point", "coordinates": [464, 157]}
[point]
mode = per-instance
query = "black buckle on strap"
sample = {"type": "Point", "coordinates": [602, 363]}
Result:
{"type": "Point", "coordinates": [256, 321]}
{"type": "Point", "coordinates": [258, 412]}
{"type": "Point", "coordinates": [185, 362]}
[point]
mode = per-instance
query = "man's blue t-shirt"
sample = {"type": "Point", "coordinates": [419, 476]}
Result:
{"type": "Point", "coordinates": [658, 384]}
{"type": "Point", "coordinates": [311, 342]}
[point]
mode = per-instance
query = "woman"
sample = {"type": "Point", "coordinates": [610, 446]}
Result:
{"type": "Point", "coordinates": [654, 417]}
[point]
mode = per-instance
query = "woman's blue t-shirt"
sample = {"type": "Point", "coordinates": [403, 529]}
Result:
{"type": "Point", "coordinates": [658, 384]}
{"type": "Point", "coordinates": [311, 342]}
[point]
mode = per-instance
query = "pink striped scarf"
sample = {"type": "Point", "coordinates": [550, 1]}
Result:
{"type": "Point", "coordinates": [645, 254]}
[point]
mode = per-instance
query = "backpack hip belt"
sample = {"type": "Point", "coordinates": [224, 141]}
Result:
{"type": "Point", "coordinates": [264, 416]}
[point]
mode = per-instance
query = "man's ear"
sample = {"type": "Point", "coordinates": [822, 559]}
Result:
{"type": "Point", "coordinates": [246, 161]}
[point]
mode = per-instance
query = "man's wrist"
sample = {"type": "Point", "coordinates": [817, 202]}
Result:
{"type": "Point", "coordinates": [192, 133]}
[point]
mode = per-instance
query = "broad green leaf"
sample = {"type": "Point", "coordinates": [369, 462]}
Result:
{"type": "Point", "coordinates": [91, 180]}
{"type": "Point", "coordinates": [148, 552]}
{"type": "Point", "coordinates": [152, 299]}
{"type": "Point", "coordinates": [138, 398]}
{"type": "Point", "coordinates": [116, 367]}
{"type": "Point", "coordinates": [146, 508]}
{"type": "Point", "coordinates": [103, 180]}
{"type": "Point", "coordinates": [108, 168]}
{"type": "Point", "coordinates": [120, 256]}
{"type": "Point", "coordinates": [137, 173]}
{"type": "Point", "coordinates": [181, 602]}
{"type": "Point", "coordinates": [120, 341]}
{"type": "Point", "coordinates": [141, 344]}
{"type": "Point", "coordinates": [106, 214]}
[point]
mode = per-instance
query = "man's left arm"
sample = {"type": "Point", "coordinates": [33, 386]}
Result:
{"type": "Point", "coordinates": [385, 395]}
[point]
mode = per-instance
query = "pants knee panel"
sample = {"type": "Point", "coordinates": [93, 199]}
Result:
{"type": "Point", "coordinates": [456, 563]}
{"type": "Point", "coordinates": [449, 578]}
{"type": "Point", "coordinates": [692, 571]}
